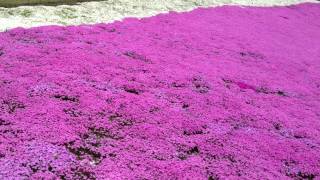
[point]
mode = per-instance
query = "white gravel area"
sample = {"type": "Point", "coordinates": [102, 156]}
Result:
{"type": "Point", "coordinates": [111, 10]}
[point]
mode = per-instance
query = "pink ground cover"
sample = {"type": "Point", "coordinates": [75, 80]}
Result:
{"type": "Point", "coordinates": [216, 93]}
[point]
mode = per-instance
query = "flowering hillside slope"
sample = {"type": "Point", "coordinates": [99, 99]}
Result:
{"type": "Point", "coordinates": [225, 92]}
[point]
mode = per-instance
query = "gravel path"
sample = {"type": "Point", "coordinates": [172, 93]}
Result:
{"type": "Point", "coordinates": [111, 10]}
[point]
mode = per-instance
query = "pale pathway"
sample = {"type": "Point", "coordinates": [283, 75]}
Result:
{"type": "Point", "coordinates": [111, 10]}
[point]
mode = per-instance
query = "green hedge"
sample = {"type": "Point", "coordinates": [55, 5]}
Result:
{"type": "Point", "coordinates": [12, 3]}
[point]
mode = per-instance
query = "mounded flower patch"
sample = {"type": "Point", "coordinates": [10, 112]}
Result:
{"type": "Point", "coordinates": [216, 93]}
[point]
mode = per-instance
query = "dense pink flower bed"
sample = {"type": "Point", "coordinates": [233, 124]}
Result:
{"type": "Point", "coordinates": [217, 93]}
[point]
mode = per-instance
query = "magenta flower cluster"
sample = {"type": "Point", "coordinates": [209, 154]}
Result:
{"type": "Point", "coordinates": [215, 93]}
